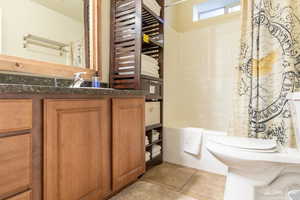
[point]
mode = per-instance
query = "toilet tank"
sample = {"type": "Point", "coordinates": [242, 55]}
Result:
{"type": "Point", "coordinates": [294, 102]}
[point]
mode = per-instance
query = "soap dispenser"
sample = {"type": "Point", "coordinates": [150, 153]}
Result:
{"type": "Point", "coordinates": [96, 80]}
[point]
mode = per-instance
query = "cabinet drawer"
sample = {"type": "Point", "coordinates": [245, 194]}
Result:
{"type": "Point", "coordinates": [15, 115]}
{"type": "Point", "coordinates": [23, 196]}
{"type": "Point", "coordinates": [152, 113]}
{"type": "Point", "coordinates": [15, 164]}
{"type": "Point", "coordinates": [152, 88]}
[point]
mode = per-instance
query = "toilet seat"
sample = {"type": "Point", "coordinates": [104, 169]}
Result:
{"type": "Point", "coordinates": [220, 145]}
{"type": "Point", "coordinates": [246, 144]}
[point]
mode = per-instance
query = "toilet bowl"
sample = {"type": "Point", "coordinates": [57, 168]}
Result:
{"type": "Point", "coordinates": [253, 170]}
{"type": "Point", "coordinates": [257, 168]}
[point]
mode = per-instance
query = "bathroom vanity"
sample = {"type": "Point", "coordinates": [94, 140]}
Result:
{"type": "Point", "coordinates": [56, 142]}
{"type": "Point", "coordinates": [69, 143]}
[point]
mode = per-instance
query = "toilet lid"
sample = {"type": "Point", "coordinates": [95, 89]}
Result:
{"type": "Point", "coordinates": [246, 143]}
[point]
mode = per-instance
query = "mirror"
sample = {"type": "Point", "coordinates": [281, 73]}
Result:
{"type": "Point", "coordinates": [54, 31]}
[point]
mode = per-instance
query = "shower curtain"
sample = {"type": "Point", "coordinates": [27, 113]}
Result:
{"type": "Point", "coordinates": [269, 69]}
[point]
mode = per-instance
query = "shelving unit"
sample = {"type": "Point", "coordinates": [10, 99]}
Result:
{"type": "Point", "coordinates": [130, 21]}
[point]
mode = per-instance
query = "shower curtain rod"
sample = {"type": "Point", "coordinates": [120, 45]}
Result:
{"type": "Point", "coordinates": [175, 3]}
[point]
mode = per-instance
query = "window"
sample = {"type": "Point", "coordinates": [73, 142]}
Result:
{"type": "Point", "coordinates": [214, 8]}
{"type": "Point", "coordinates": [234, 8]}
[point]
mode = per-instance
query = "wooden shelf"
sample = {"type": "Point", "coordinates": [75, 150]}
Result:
{"type": "Point", "coordinates": [150, 98]}
{"type": "Point", "coordinates": [128, 24]}
{"type": "Point", "coordinates": [148, 128]}
{"type": "Point", "coordinates": [147, 12]}
{"type": "Point", "coordinates": [155, 142]}
{"type": "Point", "coordinates": [151, 78]}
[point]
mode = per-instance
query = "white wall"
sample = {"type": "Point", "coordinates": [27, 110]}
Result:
{"type": "Point", "coordinates": [105, 42]}
{"type": "Point", "coordinates": [22, 17]}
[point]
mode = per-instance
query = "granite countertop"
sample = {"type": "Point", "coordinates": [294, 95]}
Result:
{"type": "Point", "coordinates": [23, 84]}
{"type": "Point", "coordinates": [39, 89]}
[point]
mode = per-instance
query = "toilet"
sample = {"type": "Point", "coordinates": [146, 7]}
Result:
{"type": "Point", "coordinates": [257, 168]}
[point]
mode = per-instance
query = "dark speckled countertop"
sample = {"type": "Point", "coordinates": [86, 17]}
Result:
{"type": "Point", "coordinates": [19, 84]}
{"type": "Point", "coordinates": [38, 89]}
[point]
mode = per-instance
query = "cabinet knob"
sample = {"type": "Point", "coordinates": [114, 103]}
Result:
{"type": "Point", "coordinates": [19, 65]}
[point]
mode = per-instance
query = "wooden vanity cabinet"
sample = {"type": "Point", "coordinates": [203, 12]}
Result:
{"type": "Point", "coordinates": [128, 140]}
{"type": "Point", "coordinates": [90, 148]}
{"type": "Point", "coordinates": [76, 149]}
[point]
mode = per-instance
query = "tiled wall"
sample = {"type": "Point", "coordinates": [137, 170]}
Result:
{"type": "Point", "coordinates": [199, 75]}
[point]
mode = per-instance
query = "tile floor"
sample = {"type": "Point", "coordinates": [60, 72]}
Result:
{"type": "Point", "coordinates": [173, 182]}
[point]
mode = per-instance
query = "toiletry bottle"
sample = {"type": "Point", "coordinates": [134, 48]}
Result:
{"type": "Point", "coordinates": [96, 81]}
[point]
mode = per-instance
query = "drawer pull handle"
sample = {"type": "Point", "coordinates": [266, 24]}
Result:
{"type": "Point", "coordinates": [19, 65]}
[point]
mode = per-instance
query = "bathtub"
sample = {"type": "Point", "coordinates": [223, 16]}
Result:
{"type": "Point", "coordinates": [174, 153]}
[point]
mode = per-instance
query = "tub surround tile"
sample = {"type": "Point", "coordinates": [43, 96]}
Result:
{"type": "Point", "coordinates": [172, 176]}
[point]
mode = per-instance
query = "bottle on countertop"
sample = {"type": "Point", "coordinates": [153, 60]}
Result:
{"type": "Point", "coordinates": [96, 80]}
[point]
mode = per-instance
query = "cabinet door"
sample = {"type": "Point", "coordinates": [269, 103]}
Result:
{"type": "Point", "coordinates": [23, 196]}
{"type": "Point", "coordinates": [76, 147]}
{"type": "Point", "coordinates": [128, 140]}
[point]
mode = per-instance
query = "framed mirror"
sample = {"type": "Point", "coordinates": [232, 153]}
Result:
{"type": "Point", "coordinates": [50, 37]}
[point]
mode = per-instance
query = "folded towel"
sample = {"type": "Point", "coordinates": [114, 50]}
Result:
{"type": "Point", "coordinates": [155, 154]}
{"type": "Point", "coordinates": [156, 149]}
{"type": "Point", "coordinates": [150, 67]}
{"type": "Point", "coordinates": [192, 140]}
{"type": "Point", "coordinates": [155, 135]}
{"type": "Point", "coordinates": [150, 74]}
{"type": "Point", "coordinates": [147, 141]}
{"type": "Point", "coordinates": [153, 5]}
{"type": "Point", "coordinates": [150, 59]}
{"type": "Point", "coordinates": [147, 156]}
{"type": "Point", "coordinates": [150, 71]}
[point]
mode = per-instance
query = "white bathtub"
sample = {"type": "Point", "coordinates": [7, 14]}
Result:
{"type": "Point", "coordinates": [174, 153]}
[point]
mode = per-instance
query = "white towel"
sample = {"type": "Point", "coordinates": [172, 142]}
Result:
{"type": "Point", "coordinates": [155, 135]}
{"type": "Point", "coordinates": [147, 140]}
{"type": "Point", "coordinates": [155, 154]}
{"type": "Point", "coordinates": [149, 66]}
{"type": "Point", "coordinates": [150, 59]}
{"type": "Point", "coordinates": [193, 140]}
{"type": "Point", "coordinates": [147, 156]}
{"type": "Point", "coordinates": [153, 5]}
{"type": "Point", "coordinates": [150, 74]}
{"type": "Point", "coordinates": [156, 148]}
{"type": "Point", "coordinates": [149, 70]}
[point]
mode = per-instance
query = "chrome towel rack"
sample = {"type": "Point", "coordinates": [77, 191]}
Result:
{"type": "Point", "coordinates": [30, 39]}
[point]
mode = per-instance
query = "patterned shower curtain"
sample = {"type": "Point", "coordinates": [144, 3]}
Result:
{"type": "Point", "coordinates": [269, 69]}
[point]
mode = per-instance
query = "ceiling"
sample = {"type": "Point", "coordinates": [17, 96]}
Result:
{"type": "Point", "coordinates": [70, 8]}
